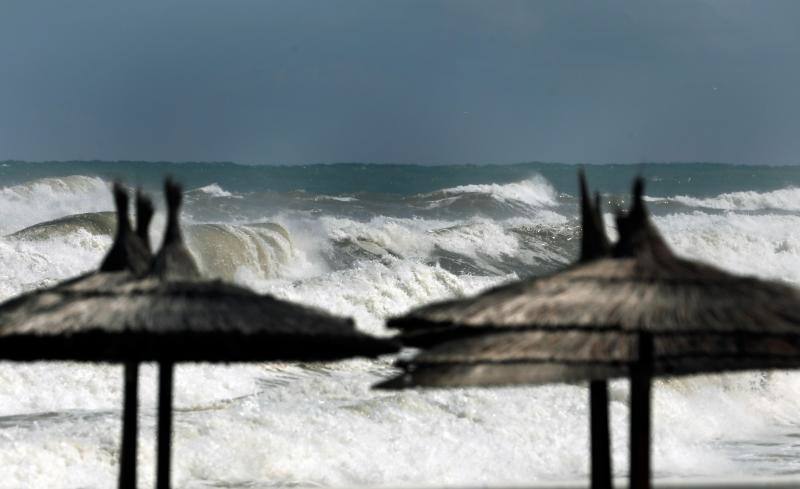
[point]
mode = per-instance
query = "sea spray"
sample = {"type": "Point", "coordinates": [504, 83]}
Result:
{"type": "Point", "coordinates": [370, 253]}
{"type": "Point", "coordinates": [785, 199]}
{"type": "Point", "coordinates": [535, 191]}
{"type": "Point", "coordinates": [48, 198]}
{"type": "Point", "coordinates": [213, 190]}
{"type": "Point", "coordinates": [767, 245]}
{"type": "Point", "coordinates": [373, 290]}
{"type": "Point", "coordinates": [25, 265]}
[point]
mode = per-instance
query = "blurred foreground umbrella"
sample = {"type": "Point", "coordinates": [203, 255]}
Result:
{"type": "Point", "coordinates": [171, 315]}
{"type": "Point", "coordinates": [641, 312]}
{"type": "Point", "coordinates": [479, 369]}
{"type": "Point", "coordinates": [60, 338]}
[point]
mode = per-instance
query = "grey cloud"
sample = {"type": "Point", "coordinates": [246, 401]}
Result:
{"type": "Point", "coordinates": [414, 81]}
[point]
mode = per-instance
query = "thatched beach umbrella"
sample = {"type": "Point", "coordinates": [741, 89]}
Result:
{"type": "Point", "coordinates": [128, 256]}
{"type": "Point", "coordinates": [130, 250]}
{"type": "Point", "coordinates": [641, 312]}
{"type": "Point", "coordinates": [171, 315]}
{"type": "Point", "coordinates": [594, 245]}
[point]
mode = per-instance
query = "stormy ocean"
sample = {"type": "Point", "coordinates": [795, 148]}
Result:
{"type": "Point", "coordinates": [372, 241]}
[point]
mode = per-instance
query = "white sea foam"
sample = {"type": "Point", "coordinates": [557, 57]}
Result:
{"type": "Point", "coordinates": [61, 421]}
{"type": "Point", "coordinates": [479, 239]}
{"type": "Point", "coordinates": [288, 424]}
{"type": "Point", "coordinates": [214, 190]}
{"type": "Point", "coordinates": [25, 265]}
{"type": "Point", "coordinates": [477, 437]}
{"type": "Point", "coordinates": [535, 191]}
{"type": "Point", "coordinates": [418, 237]}
{"type": "Point", "coordinates": [240, 425]}
{"type": "Point", "coordinates": [442, 202]}
{"type": "Point", "coordinates": [337, 198]}
{"type": "Point", "coordinates": [374, 290]}
{"type": "Point", "coordinates": [764, 245]}
{"type": "Point", "coordinates": [72, 245]}
{"type": "Point", "coordinates": [49, 198]}
{"type": "Point", "coordinates": [784, 199]}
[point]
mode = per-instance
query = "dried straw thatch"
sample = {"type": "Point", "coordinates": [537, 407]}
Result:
{"type": "Point", "coordinates": [128, 257]}
{"type": "Point", "coordinates": [642, 287]}
{"type": "Point", "coordinates": [144, 214]}
{"type": "Point", "coordinates": [642, 311]}
{"type": "Point", "coordinates": [130, 250]}
{"type": "Point", "coordinates": [537, 357]}
{"type": "Point", "coordinates": [480, 356]}
{"type": "Point", "coordinates": [173, 261]}
{"type": "Point", "coordinates": [169, 314]}
{"type": "Point", "coordinates": [151, 319]}
{"type": "Point", "coordinates": [700, 318]}
{"type": "Point", "coordinates": [136, 309]}
{"type": "Point", "coordinates": [487, 374]}
{"type": "Point", "coordinates": [585, 322]}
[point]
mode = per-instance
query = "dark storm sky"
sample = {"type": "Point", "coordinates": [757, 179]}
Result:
{"type": "Point", "coordinates": [407, 81]}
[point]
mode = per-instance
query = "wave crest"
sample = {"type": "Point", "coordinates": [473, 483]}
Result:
{"type": "Point", "coordinates": [761, 245]}
{"type": "Point", "coordinates": [214, 190]}
{"type": "Point", "coordinates": [787, 199]}
{"type": "Point", "coordinates": [48, 198]}
{"type": "Point", "coordinates": [222, 250]}
{"type": "Point", "coordinates": [478, 246]}
{"type": "Point", "coordinates": [535, 191]}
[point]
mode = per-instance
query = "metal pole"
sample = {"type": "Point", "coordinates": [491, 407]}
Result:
{"type": "Point", "coordinates": [641, 374]}
{"type": "Point", "coordinates": [130, 427]}
{"type": "Point", "coordinates": [600, 439]}
{"type": "Point", "coordinates": [164, 425]}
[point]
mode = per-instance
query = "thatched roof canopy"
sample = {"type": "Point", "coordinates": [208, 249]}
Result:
{"type": "Point", "coordinates": [642, 287]}
{"type": "Point", "coordinates": [173, 261]}
{"type": "Point", "coordinates": [170, 314]}
{"type": "Point", "coordinates": [594, 242]}
{"type": "Point", "coordinates": [129, 251]}
{"type": "Point", "coordinates": [144, 215]}
{"type": "Point", "coordinates": [135, 310]}
{"type": "Point", "coordinates": [640, 312]}
{"type": "Point", "coordinates": [104, 318]}
{"type": "Point", "coordinates": [585, 322]}
{"type": "Point", "coordinates": [539, 356]}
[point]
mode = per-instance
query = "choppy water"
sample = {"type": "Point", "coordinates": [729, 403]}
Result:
{"type": "Point", "coordinates": [372, 241]}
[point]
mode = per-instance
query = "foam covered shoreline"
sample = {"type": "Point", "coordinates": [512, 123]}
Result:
{"type": "Point", "coordinates": [372, 255]}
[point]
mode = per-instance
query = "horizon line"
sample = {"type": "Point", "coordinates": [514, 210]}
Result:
{"type": "Point", "coordinates": [390, 163]}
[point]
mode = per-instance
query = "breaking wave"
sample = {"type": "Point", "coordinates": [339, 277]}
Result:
{"type": "Point", "coordinates": [243, 426]}
{"type": "Point", "coordinates": [477, 246]}
{"type": "Point", "coordinates": [763, 245]}
{"type": "Point", "coordinates": [96, 223]}
{"type": "Point", "coordinates": [28, 264]}
{"type": "Point", "coordinates": [786, 199]}
{"type": "Point", "coordinates": [535, 191]}
{"type": "Point", "coordinates": [337, 198]}
{"type": "Point", "coordinates": [214, 190]}
{"type": "Point", "coordinates": [220, 249]}
{"type": "Point", "coordinates": [47, 198]}
{"type": "Point", "coordinates": [223, 249]}
{"type": "Point", "coordinates": [371, 290]}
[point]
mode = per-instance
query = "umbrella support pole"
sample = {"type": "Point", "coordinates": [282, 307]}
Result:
{"type": "Point", "coordinates": [164, 425]}
{"type": "Point", "coordinates": [130, 428]}
{"type": "Point", "coordinates": [600, 440]}
{"type": "Point", "coordinates": [641, 374]}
